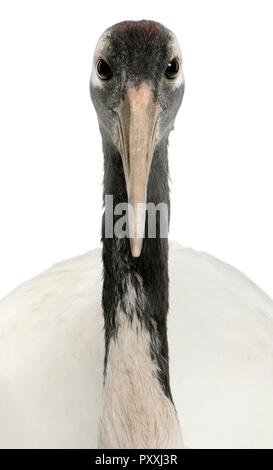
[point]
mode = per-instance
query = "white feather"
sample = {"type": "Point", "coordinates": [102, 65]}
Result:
{"type": "Point", "coordinates": [221, 355]}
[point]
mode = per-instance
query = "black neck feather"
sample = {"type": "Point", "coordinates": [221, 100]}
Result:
{"type": "Point", "coordinates": [148, 273]}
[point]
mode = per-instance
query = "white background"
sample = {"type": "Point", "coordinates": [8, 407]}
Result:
{"type": "Point", "coordinates": [50, 149]}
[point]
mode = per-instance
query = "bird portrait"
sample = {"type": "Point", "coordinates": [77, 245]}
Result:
{"type": "Point", "coordinates": [142, 343]}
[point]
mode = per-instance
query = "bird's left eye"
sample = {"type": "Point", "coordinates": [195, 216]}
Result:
{"type": "Point", "coordinates": [103, 70]}
{"type": "Point", "coordinates": [172, 69]}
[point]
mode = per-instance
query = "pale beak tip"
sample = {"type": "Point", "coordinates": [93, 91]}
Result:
{"type": "Point", "coordinates": [136, 246]}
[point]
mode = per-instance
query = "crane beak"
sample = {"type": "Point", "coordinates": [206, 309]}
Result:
{"type": "Point", "coordinates": [138, 122]}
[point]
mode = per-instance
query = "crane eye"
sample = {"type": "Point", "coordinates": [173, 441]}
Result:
{"type": "Point", "coordinates": [172, 69]}
{"type": "Point", "coordinates": [103, 70]}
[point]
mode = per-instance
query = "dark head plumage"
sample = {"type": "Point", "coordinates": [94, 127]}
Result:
{"type": "Point", "coordinates": [144, 28]}
{"type": "Point", "coordinates": [138, 51]}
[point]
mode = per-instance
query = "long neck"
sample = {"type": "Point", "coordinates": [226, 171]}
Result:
{"type": "Point", "coordinates": [138, 407]}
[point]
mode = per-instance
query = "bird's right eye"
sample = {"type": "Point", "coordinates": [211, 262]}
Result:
{"type": "Point", "coordinates": [103, 70]}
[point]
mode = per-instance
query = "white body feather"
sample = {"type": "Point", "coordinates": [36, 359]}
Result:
{"type": "Point", "coordinates": [220, 330]}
